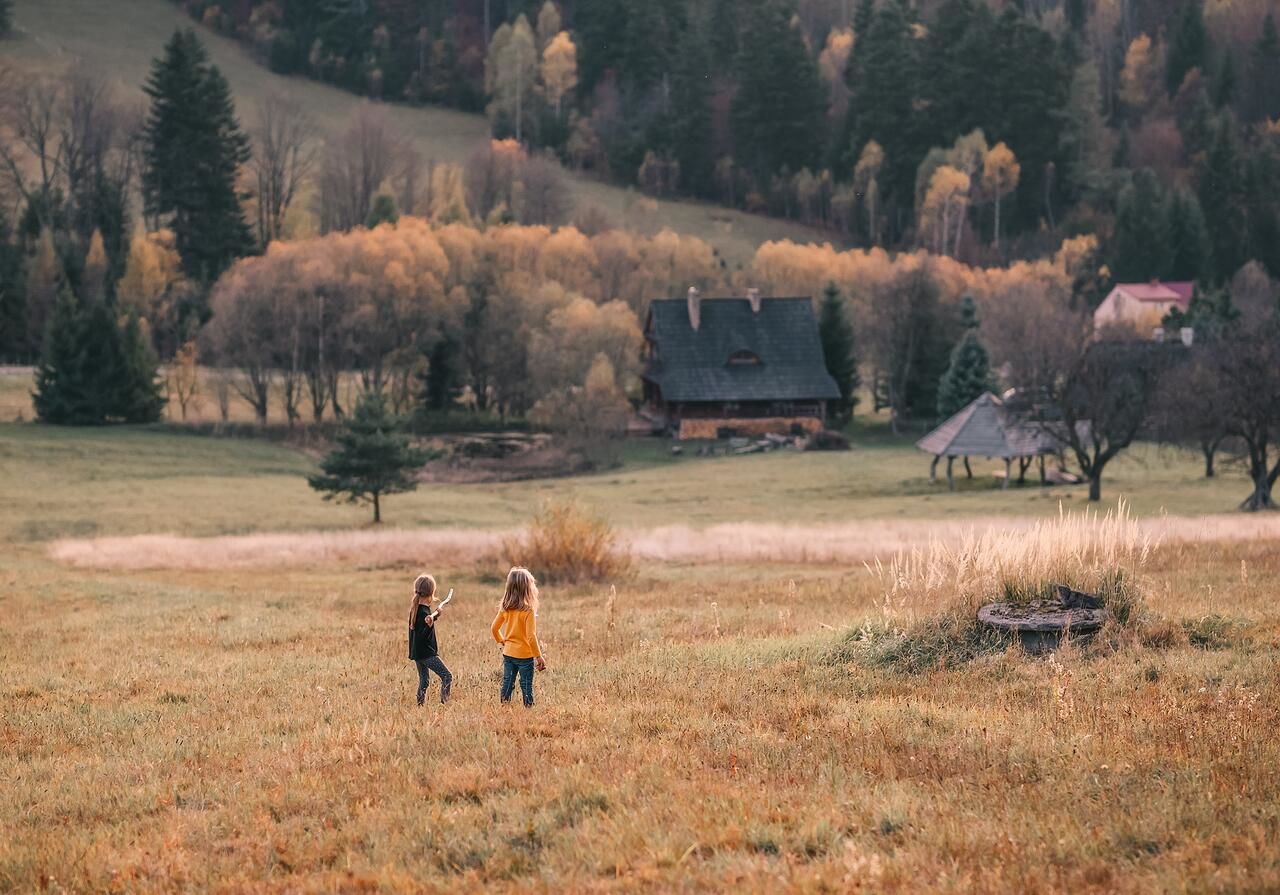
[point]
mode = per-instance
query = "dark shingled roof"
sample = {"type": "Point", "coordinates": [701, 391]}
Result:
{"type": "Point", "coordinates": [693, 365]}
{"type": "Point", "coordinates": [985, 428]}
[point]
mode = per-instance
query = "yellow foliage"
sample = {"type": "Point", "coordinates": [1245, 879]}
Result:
{"type": "Point", "coordinates": [1140, 77]}
{"type": "Point", "coordinates": [151, 272]}
{"type": "Point", "coordinates": [559, 69]}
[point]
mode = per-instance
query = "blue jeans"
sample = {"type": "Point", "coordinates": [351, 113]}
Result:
{"type": "Point", "coordinates": [424, 679]}
{"type": "Point", "coordinates": [509, 668]}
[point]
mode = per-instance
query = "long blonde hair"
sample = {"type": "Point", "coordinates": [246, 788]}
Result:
{"type": "Point", "coordinates": [522, 590]}
{"type": "Point", "coordinates": [424, 588]}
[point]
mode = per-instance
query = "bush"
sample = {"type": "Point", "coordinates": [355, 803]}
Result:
{"type": "Point", "coordinates": [565, 543]}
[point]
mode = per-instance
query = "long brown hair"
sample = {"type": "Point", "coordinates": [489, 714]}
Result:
{"type": "Point", "coordinates": [424, 588]}
{"type": "Point", "coordinates": [522, 590]}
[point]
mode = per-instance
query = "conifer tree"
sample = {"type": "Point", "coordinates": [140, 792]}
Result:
{"type": "Point", "coordinates": [882, 81]}
{"type": "Point", "coordinates": [13, 305]}
{"type": "Point", "coordinates": [193, 151]}
{"type": "Point", "coordinates": [373, 458]}
{"type": "Point", "coordinates": [969, 374]}
{"type": "Point", "coordinates": [6, 18]}
{"type": "Point", "coordinates": [690, 112]}
{"type": "Point", "coordinates": [1224, 199]}
{"type": "Point", "coordinates": [1264, 74]}
{"type": "Point", "coordinates": [1192, 253]}
{"type": "Point", "coordinates": [1188, 46]}
{"type": "Point", "coordinates": [61, 384]}
{"type": "Point", "coordinates": [839, 352]}
{"type": "Point", "coordinates": [862, 18]}
{"type": "Point", "coordinates": [1140, 248]}
{"type": "Point", "coordinates": [137, 396]}
{"type": "Point", "coordinates": [93, 372]}
{"type": "Point", "coordinates": [778, 113]}
{"type": "Point", "coordinates": [384, 211]}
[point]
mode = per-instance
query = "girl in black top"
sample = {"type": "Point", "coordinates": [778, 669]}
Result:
{"type": "Point", "coordinates": [423, 649]}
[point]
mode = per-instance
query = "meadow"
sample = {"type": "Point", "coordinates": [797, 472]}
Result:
{"type": "Point", "coordinates": [120, 38]}
{"type": "Point", "coordinates": [714, 724]}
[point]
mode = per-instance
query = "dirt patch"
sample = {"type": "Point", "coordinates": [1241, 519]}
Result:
{"type": "Point", "coordinates": [499, 457]}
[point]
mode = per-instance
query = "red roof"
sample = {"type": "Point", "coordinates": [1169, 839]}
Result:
{"type": "Point", "coordinates": [1157, 291]}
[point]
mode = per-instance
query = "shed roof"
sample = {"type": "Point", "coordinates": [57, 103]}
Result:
{"type": "Point", "coordinates": [986, 428]}
{"type": "Point", "coordinates": [693, 364]}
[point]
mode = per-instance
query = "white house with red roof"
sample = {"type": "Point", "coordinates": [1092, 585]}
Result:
{"type": "Point", "coordinates": [1142, 305]}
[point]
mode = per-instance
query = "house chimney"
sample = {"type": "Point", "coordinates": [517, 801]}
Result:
{"type": "Point", "coordinates": [1188, 335]}
{"type": "Point", "coordinates": [695, 307]}
{"type": "Point", "coordinates": [753, 296]}
{"type": "Point", "coordinates": [1157, 334]}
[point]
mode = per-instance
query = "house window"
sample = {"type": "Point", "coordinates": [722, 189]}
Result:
{"type": "Point", "coordinates": [744, 358]}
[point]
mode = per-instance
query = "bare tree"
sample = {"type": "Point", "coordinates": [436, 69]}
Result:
{"type": "Point", "coordinates": [61, 140]}
{"type": "Point", "coordinates": [1106, 397]}
{"type": "Point", "coordinates": [354, 168]}
{"type": "Point", "coordinates": [284, 156]}
{"type": "Point", "coordinates": [30, 149]}
{"type": "Point", "coordinates": [1247, 364]}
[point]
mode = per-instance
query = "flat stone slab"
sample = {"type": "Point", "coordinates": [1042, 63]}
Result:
{"type": "Point", "coordinates": [1041, 626]}
{"type": "Point", "coordinates": [1042, 616]}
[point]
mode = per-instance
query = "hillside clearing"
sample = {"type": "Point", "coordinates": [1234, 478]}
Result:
{"type": "Point", "coordinates": [121, 37]}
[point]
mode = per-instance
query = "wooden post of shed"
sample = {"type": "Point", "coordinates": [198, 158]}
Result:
{"type": "Point", "coordinates": [1043, 480]}
{"type": "Point", "coordinates": [1008, 472]}
{"type": "Point", "coordinates": [933, 468]}
{"type": "Point", "coordinates": [968, 473]}
{"type": "Point", "coordinates": [951, 481]}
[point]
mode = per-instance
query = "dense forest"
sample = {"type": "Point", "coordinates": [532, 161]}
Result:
{"type": "Point", "coordinates": [977, 130]}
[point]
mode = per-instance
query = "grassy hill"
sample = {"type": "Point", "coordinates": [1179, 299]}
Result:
{"type": "Point", "coordinates": [121, 37]}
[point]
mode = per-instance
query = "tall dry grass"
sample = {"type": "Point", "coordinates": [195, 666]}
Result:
{"type": "Point", "coordinates": [1103, 554]}
{"type": "Point", "coordinates": [931, 594]}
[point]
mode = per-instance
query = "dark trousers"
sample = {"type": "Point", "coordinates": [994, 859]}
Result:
{"type": "Point", "coordinates": [510, 667]}
{"type": "Point", "coordinates": [424, 679]}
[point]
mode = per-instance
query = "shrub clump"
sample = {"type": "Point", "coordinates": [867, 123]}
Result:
{"type": "Point", "coordinates": [566, 543]}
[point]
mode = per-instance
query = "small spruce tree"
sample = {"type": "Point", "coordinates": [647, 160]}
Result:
{"type": "Point", "coordinates": [6, 18]}
{"type": "Point", "coordinates": [94, 372]}
{"type": "Point", "coordinates": [383, 211]}
{"type": "Point", "coordinates": [373, 457]}
{"type": "Point", "coordinates": [60, 396]}
{"type": "Point", "coordinates": [838, 351]}
{"type": "Point", "coordinates": [137, 396]}
{"type": "Point", "coordinates": [970, 372]}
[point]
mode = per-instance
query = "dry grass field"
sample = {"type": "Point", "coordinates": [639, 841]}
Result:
{"type": "Point", "coordinates": [719, 724]}
{"type": "Point", "coordinates": [121, 37]}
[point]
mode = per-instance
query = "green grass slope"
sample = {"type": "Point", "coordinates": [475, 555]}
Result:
{"type": "Point", "coordinates": [121, 37]}
{"type": "Point", "coordinates": [61, 482]}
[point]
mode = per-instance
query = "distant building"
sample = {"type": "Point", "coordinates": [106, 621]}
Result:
{"type": "Point", "coordinates": [740, 366]}
{"type": "Point", "coordinates": [1142, 306]}
{"type": "Point", "coordinates": [988, 427]}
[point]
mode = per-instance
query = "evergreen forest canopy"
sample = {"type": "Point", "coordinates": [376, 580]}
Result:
{"type": "Point", "coordinates": [980, 130]}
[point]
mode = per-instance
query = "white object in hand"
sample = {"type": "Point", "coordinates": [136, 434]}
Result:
{"type": "Point", "coordinates": [449, 597]}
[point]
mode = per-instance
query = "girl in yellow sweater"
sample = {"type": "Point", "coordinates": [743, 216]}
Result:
{"type": "Point", "coordinates": [515, 630]}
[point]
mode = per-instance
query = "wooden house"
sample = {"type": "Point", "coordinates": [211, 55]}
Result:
{"type": "Point", "coordinates": [735, 366]}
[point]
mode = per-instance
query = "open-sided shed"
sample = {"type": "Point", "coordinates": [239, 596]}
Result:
{"type": "Point", "coordinates": [987, 428]}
